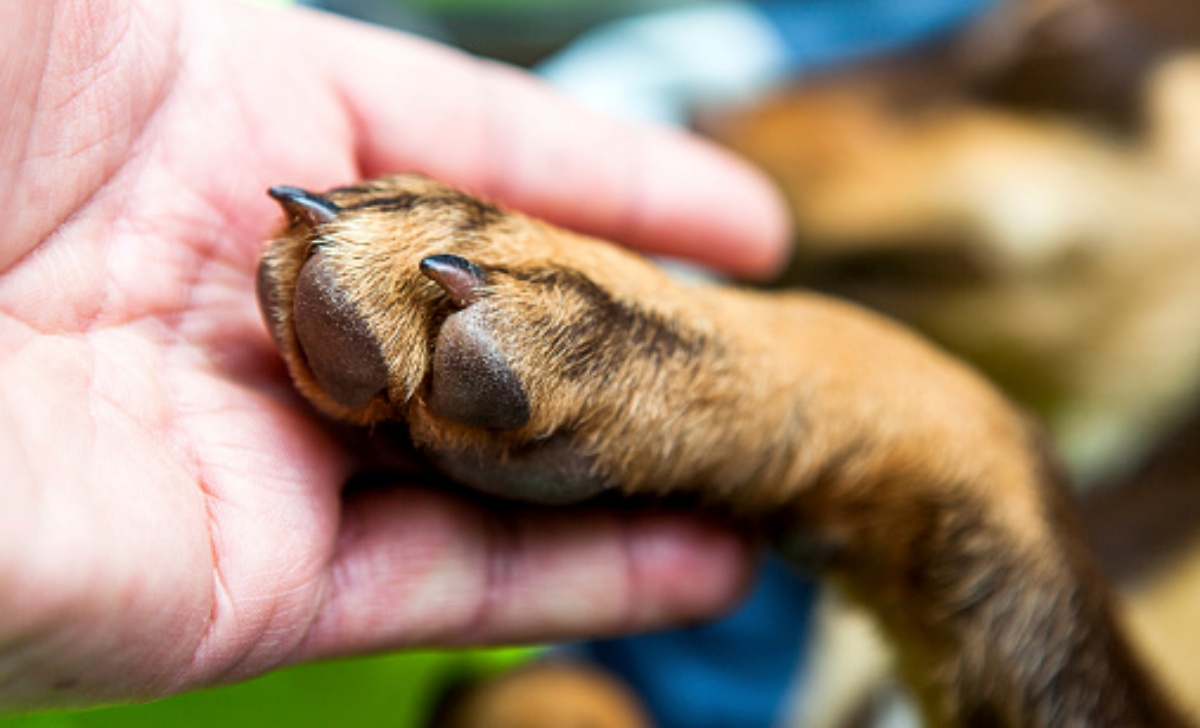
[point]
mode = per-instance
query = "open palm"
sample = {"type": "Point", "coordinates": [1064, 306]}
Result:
{"type": "Point", "coordinates": [172, 514]}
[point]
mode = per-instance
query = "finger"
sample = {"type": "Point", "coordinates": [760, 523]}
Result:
{"type": "Point", "coordinates": [417, 567]}
{"type": "Point", "coordinates": [499, 132]}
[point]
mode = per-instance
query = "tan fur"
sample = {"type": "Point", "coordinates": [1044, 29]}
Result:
{"type": "Point", "coordinates": [836, 363]}
{"type": "Point", "coordinates": [837, 433]}
{"type": "Point", "coordinates": [549, 694]}
{"type": "Point", "coordinates": [1036, 213]}
{"type": "Point", "coordinates": [1162, 620]}
{"type": "Point", "coordinates": [1059, 258]}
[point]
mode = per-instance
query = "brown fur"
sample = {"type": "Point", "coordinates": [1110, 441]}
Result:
{"type": "Point", "coordinates": [1025, 193]}
{"type": "Point", "coordinates": [1059, 258]}
{"type": "Point", "coordinates": [1084, 59]}
{"type": "Point", "coordinates": [549, 694]}
{"type": "Point", "coordinates": [927, 496]}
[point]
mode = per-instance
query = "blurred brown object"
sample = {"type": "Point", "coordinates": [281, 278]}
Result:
{"type": "Point", "coordinates": [1086, 59]}
{"type": "Point", "coordinates": [1048, 241]}
{"type": "Point", "coordinates": [550, 693]}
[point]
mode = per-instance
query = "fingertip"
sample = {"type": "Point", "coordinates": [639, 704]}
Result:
{"type": "Point", "coordinates": [687, 568]}
{"type": "Point", "coordinates": [714, 208]}
{"type": "Point", "coordinates": [768, 229]}
{"type": "Point", "coordinates": [500, 132]}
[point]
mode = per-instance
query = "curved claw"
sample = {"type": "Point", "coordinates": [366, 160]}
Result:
{"type": "Point", "coordinates": [461, 279]}
{"type": "Point", "coordinates": [311, 208]}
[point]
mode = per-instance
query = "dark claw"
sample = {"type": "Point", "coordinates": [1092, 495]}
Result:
{"type": "Point", "coordinates": [337, 344]}
{"type": "Point", "coordinates": [313, 209]}
{"type": "Point", "coordinates": [461, 279]}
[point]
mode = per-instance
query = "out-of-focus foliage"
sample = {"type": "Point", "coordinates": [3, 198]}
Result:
{"type": "Point", "coordinates": [396, 691]}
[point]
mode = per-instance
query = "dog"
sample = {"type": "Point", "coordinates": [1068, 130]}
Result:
{"type": "Point", "coordinates": [536, 364]}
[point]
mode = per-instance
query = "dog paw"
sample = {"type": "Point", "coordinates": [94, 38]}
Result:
{"type": "Point", "coordinates": [505, 344]}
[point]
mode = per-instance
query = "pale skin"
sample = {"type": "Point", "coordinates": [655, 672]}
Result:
{"type": "Point", "coordinates": [173, 515]}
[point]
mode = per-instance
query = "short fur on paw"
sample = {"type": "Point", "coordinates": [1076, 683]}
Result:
{"type": "Point", "coordinates": [405, 299]}
{"type": "Point", "coordinates": [532, 362]}
{"type": "Point", "coordinates": [537, 364]}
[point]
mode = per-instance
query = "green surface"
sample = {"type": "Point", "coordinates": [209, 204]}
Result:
{"type": "Point", "coordinates": [394, 691]}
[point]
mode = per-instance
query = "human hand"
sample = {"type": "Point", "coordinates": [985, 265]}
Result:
{"type": "Point", "coordinates": [173, 515]}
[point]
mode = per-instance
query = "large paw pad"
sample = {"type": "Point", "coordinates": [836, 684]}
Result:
{"type": "Point", "coordinates": [336, 342]}
{"type": "Point", "coordinates": [471, 383]}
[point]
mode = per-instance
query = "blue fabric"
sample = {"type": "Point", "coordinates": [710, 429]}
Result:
{"type": "Point", "coordinates": [734, 673]}
{"type": "Point", "coordinates": [821, 33]}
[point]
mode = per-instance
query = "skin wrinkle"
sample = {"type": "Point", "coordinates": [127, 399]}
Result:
{"type": "Point", "coordinates": [87, 320]}
{"type": "Point", "coordinates": [223, 616]}
{"type": "Point", "coordinates": [352, 570]}
{"type": "Point", "coordinates": [327, 604]}
{"type": "Point", "coordinates": [31, 332]}
{"type": "Point", "coordinates": [35, 103]}
{"type": "Point", "coordinates": [95, 72]}
{"type": "Point", "coordinates": [510, 555]}
{"type": "Point", "coordinates": [222, 610]}
{"type": "Point", "coordinates": [207, 223]}
{"type": "Point", "coordinates": [174, 320]}
{"type": "Point", "coordinates": [136, 132]}
{"type": "Point", "coordinates": [504, 547]}
{"type": "Point", "coordinates": [222, 210]}
{"type": "Point", "coordinates": [332, 615]}
{"type": "Point", "coordinates": [220, 594]}
{"type": "Point", "coordinates": [127, 235]}
{"type": "Point", "coordinates": [263, 642]}
{"type": "Point", "coordinates": [219, 591]}
{"type": "Point", "coordinates": [211, 251]}
{"type": "Point", "coordinates": [631, 578]}
{"type": "Point", "coordinates": [204, 238]}
{"type": "Point", "coordinates": [206, 248]}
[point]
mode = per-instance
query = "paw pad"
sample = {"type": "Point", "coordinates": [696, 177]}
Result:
{"type": "Point", "coordinates": [337, 344]}
{"type": "Point", "coordinates": [472, 382]}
